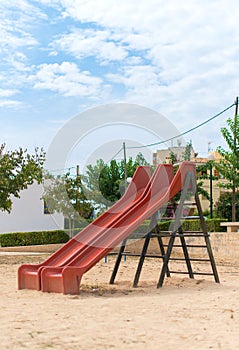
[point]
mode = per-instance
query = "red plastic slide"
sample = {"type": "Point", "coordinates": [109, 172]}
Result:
{"type": "Point", "coordinates": [29, 274]}
{"type": "Point", "coordinates": [67, 278]}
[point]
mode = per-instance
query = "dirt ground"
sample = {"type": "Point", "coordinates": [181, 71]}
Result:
{"type": "Point", "coordinates": [185, 313]}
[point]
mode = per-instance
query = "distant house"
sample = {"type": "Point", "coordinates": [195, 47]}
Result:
{"type": "Point", "coordinates": [30, 214]}
{"type": "Point", "coordinates": [164, 155]}
{"type": "Point", "coordinates": [216, 190]}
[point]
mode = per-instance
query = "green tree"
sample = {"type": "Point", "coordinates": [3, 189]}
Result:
{"type": "Point", "coordinates": [91, 180]}
{"type": "Point", "coordinates": [18, 170]}
{"type": "Point", "coordinates": [109, 181]}
{"type": "Point", "coordinates": [65, 195]}
{"type": "Point", "coordinates": [187, 152]}
{"type": "Point", "coordinates": [77, 197]}
{"type": "Point", "coordinates": [140, 160]}
{"type": "Point", "coordinates": [228, 166]}
{"type": "Point", "coordinates": [173, 158]}
{"type": "Point", "coordinates": [105, 182]}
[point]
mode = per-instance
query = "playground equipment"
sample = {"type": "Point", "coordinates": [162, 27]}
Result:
{"type": "Point", "coordinates": [63, 271]}
{"type": "Point", "coordinates": [174, 234]}
{"type": "Point", "coordinates": [29, 275]}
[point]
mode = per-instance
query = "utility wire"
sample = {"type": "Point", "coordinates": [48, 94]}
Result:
{"type": "Point", "coordinates": [121, 149]}
{"type": "Point", "coordinates": [59, 170]}
{"type": "Point", "coordinates": [164, 141]}
{"type": "Point", "coordinates": [185, 132]}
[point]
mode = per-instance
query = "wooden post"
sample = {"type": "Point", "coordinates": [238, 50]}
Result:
{"type": "Point", "coordinates": [77, 170]}
{"type": "Point", "coordinates": [211, 197]}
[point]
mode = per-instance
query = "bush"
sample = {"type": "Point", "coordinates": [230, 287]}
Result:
{"type": "Point", "coordinates": [33, 238]}
{"type": "Point", "coordinates": [213, 225]}
{"type": "Point", "coordinates": [223, 207]}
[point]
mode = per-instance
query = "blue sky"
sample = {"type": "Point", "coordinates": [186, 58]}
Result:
{"type": "Point", "coordinates": [60, 58]}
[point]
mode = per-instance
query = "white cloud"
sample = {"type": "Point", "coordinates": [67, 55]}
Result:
{"type": "Point", "coordinates": [19, 63]}
{"type": "Point", "coordinates": [66, 79]}
{"type": "Point", "coordinates": [180, 58]}
{"type": "Point", "coordinates": [23, 10]}
{"type": "Point", "coordinates": [168, 51]}
{"type": "Point", "coordinates": [52, 3]}
{"type": "Point", "coordinates": [9, 103]}
{"type": "Point", "coordinates": [89, 42]}
{"type": "Point", "coordinates": [14, 39]}
{"type": "Point", "coordinates": [16, 20]}
{"type": "Point", "coordinates": [7, 92]}
{"type": "Point", "coordinates": [108, 13]}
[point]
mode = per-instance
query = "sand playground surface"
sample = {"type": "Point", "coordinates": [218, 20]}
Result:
{"type": "Point", "coordinates": [183, 314]}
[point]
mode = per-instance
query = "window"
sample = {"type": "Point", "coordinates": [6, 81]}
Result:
{"type": "Point", "coordinates": [46, 208]}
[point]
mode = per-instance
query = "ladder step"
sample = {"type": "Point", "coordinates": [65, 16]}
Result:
{"type": "Point", "coordinates": [146, 255]}
{"type": "Point", "coordinates": [170, 232]}
{"type": "Point", "coordinates": [188, 246]}
{"type": "Point", "coordinates": [190, 259]}
{"type": "Point", "coordinates": [196, 246]}
{"type": "Point", "coordinates": [193, 235]}
{"type": "Point", "coordinates": [180, 272]}
{"type": "Point", "coordinates": [186, 234]}
{"type": "Point", "coordinates": [194, 273]}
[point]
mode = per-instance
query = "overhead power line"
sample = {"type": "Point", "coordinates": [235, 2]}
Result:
{"type": "Point", "coordinates": [121, 149]}
{"type": "Point", "coordinates": [60, 170]}
{"type": "Point", "coordinates": [163, 141]}
{"type": "Point", "coordinates": [183, 133]}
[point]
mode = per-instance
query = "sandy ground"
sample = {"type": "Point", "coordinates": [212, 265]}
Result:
{"type": "Point", "coordinates": [184, 314]}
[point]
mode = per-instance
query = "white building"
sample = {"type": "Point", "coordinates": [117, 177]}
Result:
{"type": "Point", "coordinates": [28, 214]}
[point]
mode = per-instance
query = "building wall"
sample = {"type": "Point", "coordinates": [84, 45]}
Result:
{"type": "Point", "coordinates": [216, 193]}
{"type": "Point", "coordinates": [216, 190]}
{"type": "Point", "coordinates": [28, 214]}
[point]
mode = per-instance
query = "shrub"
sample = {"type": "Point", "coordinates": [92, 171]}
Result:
{"type": "Point", "coordinates": [33, 238]}
{"type": "Point", "coordinates": [213, 225]}
{"type": "Point", "coordinates": [223, 207]}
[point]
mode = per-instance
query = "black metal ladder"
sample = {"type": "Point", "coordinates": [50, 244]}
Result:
{"type": "Point", "coordinates": [175, 232]}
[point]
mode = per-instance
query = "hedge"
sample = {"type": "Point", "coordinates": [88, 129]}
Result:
{"type": "Point", "coordinates": [213, 225]}
{"type": "Point", "coordinates": [60, 236]}
{"type": "Point", "coordinates": [33, 238]}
